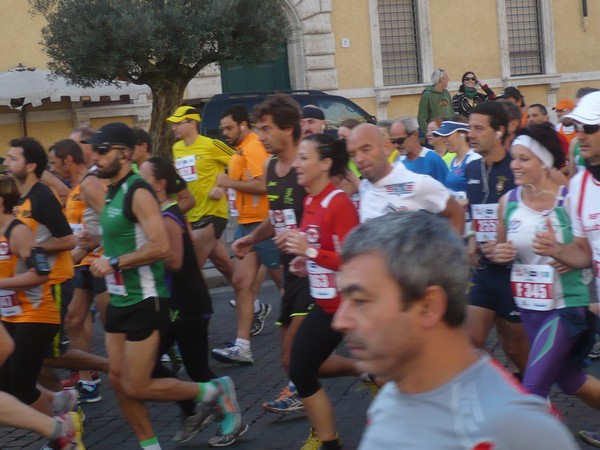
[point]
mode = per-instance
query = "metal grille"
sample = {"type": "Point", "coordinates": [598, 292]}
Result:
{"type": "Point", "coordinates": [524, 37]}
{"type": "Point", "coordinates": [399, 42]}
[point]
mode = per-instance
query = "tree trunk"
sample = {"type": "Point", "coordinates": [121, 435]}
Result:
{"type": "Point", "coordinates": [166, 98]}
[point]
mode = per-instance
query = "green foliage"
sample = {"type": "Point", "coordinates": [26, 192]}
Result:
{"type": "Point", "coordinates": [153, 42]}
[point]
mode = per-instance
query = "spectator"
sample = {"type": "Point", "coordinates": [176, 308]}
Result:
{"type": "Point", "coordinates": [435, 100]}
{"type": "Point", "coordinates": [468, 97]}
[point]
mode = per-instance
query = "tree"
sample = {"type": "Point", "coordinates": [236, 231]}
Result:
{"type": "Point", "coordinates": [160, 43]}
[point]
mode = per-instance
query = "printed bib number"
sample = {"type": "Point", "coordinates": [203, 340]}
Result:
{"type": "Point", "coordinates": [115, 284]}
{"type": "Point", "coordinates": [186, 168]}
{"type": "Point", "coordinates": [322, 282]}
{"type": "Point", "coordinates": [532, 286]}
{"type": "Point", "coordinates": [231, 195]}
{"type": "Point", "coordinates": [485, 222]}
{"type": "Point", "coordinates": [9, 303]}
{"type": "Point", "coordinates": [283, 220]}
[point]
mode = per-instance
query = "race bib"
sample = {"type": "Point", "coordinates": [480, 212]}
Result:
{"type": "Point", "coordinates": [532, 286]}
{"type": "Point", "coordinates": [485, 222]}
{"type": "Point", "coordinates": [322, 282]}
{"type": "Point", "coordinates": [231, 195]}
{"type": "Point", "coordinates": [115, 284]}
{"type": "Point", "coordinates": [9, 303]}
{"type": "Point", "coordinates": [186, 168]}
{"type": "Point", "coordinates": [283, 220]}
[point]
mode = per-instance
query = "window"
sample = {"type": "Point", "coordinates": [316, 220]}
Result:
{"type": "Point", "coordinates": [525, 43]}
{"type": "Point", "coordinates": [400, 55]}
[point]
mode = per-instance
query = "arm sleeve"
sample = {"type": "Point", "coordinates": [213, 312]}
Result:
{"type": "Point", "coordinates": [48, 211]}
{"type": "Point", "coordinates": [435, 196]}
{"type": "Point", "coordinates": [256, 162]}
{"type": "Point", "coordinates": [423, 111]}
{"type": "Point", "coordinates": [222, 152]}
{"type": "Point", "coordinates": [527, 426]}
{"type": "Point", "coordinates": [440, 169]}
{"type": "Point", "coordinates": [490, 94]}
{"type": "Point", "coordinates": [341, 217]}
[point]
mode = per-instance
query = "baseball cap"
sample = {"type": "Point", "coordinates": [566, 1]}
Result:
{"type": "Point", "coordinates": [184, 112]}
{"type": "Point", "coordinates": [448, 127]}
{"type": "Point", "coordinates": [111, 134]}
{"type": "Point", "coordinates": [511, 91]}
{"type": "Point", "coordinates": [587, 110]}
{"type": "Point", "coordinates": [565, 103]}
{"type": "Point", "coordinates": [312, 112]}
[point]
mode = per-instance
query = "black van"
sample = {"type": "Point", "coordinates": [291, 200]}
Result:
{"type": "Point", "coordinates": [336, 108]}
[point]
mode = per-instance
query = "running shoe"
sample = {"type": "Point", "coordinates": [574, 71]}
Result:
{"type": "Point", "coordinates": [595, 351]}
{"type": "Point", "coordinates": [64, 401]}
{"type": "Point", "coordinates": [259, 318]}
{"type": "Point", "coordinates": [233, 354]}
{"type": "Point", "coordinates": [233, 425]}
{"type": "Point", "coordinates": [191, 425]}
{"type": "Point", "coordinates": [220, 439]}
{"type": "Point", "coordinates": [72, 433]}
{"type": "Point", "coordinates": [287, 402]}
{"type": "Point", "coordinates": [313, 442]}
{"type": "Point", "coordinates": [88, 392]}
{"type": "Point", "coordinates": [71, 381]}
{"type": "Point", "coordinates": [591, 437]}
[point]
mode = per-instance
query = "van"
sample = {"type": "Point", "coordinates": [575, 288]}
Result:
{"type": "Point", "coordinates": [336, 108]}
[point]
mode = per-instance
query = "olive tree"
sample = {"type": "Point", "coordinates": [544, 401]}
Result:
{"type": "Point", "coordinates": [160, 43]}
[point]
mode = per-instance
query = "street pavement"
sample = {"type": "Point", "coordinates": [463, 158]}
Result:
{"type": "Point", "coordinates": [106, 429]}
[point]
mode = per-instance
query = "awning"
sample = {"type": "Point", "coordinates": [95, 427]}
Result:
{"type": "Point", "coordinates": [24, 85]}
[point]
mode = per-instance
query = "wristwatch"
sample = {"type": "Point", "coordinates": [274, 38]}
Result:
{"type": "Point", "coordinates": [114, 263]}
{"type": "Point", "coordinates": [311, 253]}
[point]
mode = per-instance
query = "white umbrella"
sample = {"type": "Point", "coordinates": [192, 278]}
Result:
{"type": "Point", "coordinates": [25, 85]}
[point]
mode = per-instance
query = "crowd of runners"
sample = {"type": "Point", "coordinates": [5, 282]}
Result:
{"type": "Point", "coordinates": [410, 238]}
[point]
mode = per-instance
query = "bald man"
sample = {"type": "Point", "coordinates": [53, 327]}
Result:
{"type": "Point", "coordinates": [386, 188]}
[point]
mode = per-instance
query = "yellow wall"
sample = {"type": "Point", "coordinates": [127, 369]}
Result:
{"type": "Point", "coordinates": [350, 20]}
{"type": "Point", "coordinates": [20, 35]}
{"type": "Point", "coordinates": [576, 49]}
{"type": "Point", "coordinates": [461, 43]}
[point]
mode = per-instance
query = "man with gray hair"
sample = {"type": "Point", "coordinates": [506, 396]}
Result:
{"type": "Point", "coordinates": [404, 134]}
{"type": "Point", "coordinates": [404, 278]}
{"type": "Point", "coordinates": [435, 100]}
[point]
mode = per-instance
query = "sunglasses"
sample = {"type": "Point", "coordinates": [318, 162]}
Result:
{"type": "Point", "coordinates": [470, 79]}
{"type": "Point", "coordinates": [104, 149]}
{"type": "Point", "coordinates": [400, 140]}
{"type": "Point", "coordinates": [587, 129]}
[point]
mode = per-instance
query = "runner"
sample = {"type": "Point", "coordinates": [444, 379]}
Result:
{"type": "Point", "coordinates": [553, 300]}
{"type": "Point", "coordinates": [199, 160]}
{"type": "Point", "coordinates": [28, 310]}
{"type": "Point", "coordinates": [64, 431]}
{"type": "Point", "coordinates": [404, 279]}
{"type": "Point", "coordinates": [246, 179]}
{"type": "Point", "coordinates": [584, 191]}
{"type": "Point", "coordinates": [488, 178]}
{"type": "Point", "coordinates": [135, 242]}
{"type": "Point", "coordinates": [328, 216]}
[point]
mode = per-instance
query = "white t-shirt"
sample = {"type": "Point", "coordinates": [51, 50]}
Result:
{"type": "Point", "coordinates": [584, 210]}
{"type": "Point", "coordinates": [401, 190]}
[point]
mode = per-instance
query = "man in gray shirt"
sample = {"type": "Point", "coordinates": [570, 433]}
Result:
{"type": "Point", "coordinates": [404, 278]}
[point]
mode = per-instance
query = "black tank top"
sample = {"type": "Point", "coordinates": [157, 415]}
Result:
{"type": "Point", "coordinates": [189, 293]}
{"type": "Point", "coordinates": [286, 203]}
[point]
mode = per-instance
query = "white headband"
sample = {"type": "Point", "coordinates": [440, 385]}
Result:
{"type": "Point", "coordinates": [536, 148]}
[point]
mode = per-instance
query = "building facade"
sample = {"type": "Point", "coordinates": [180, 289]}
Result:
{"type": "Point", "coordinates": [380, 53]}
